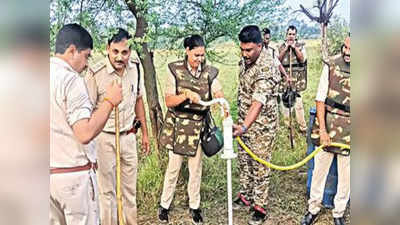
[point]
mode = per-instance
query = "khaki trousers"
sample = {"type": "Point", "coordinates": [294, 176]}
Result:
{"type": "Point", "coordinates": [299, 109]}
{"type": "Point", "coordinates": [322, 164]}
{"type": "Point", "coordinates": [73, 199]}
{"type": "Point", "coordinates": [106, 151]}
{"type": "Point", "coordinates": [171, 177]}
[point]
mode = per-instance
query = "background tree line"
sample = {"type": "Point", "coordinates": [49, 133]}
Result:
{"type": "Point", "coordinates": [162, 24]}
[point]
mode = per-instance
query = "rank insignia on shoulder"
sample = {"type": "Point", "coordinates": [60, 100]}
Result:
{"type": "Point", "coordinates": [97, 66]}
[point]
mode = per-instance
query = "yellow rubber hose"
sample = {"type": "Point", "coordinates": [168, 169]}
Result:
{"type": "Point", "coordinates": [291, 167]}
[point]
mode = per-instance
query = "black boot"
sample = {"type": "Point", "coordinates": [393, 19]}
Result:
{"type": "Point", "coordinates": [308, 218]}
{"type": "Point", "coordinates": [258, 217]}
{"type": "Point", "coordinates": [339, 221]}
{"type": "Point", "coordinates": [163, 214]}
{"type": "Point", "coordinates": [196, 216]}
{"type": "Point", "coordinates": [240, 203]}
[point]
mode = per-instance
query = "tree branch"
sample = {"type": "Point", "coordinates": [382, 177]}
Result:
{"type": "Point", "coordinates": [330, 12]}
{"type": "Point", "coordinates": [99, 9]}
{"type": "Point", "coordinates": [308, 14]}
{"type": "Point", "coordinates": [80, 13]}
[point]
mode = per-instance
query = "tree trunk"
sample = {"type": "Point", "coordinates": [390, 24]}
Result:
{"type": "Point", "coordinates": [150, 81]}
{"type": "Point", "coordinates": [324, 43]}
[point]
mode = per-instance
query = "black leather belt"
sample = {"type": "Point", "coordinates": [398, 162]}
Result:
{"type": "Point", "coordinates": [337, 105]}
{"type": "Point", "coordinates": [120, 133]}
{"type": "Point", "coordinates": [295, 65]}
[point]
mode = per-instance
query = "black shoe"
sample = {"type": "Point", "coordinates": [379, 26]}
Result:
{"type": "Point", "coordinates": [196, 216]}
{"type": "Point", "coordinates": [240, 203]}
{"type": "Point", "coordinates": [257, 218]}
{"type": "Point", "coordinates": [339, 221]}
{"type": "Point", "coordinates": [308, 218]}
{"type": "Point", "coordinates": [163, 214]}
{"type": "Point", "coordinates": [303, 132]}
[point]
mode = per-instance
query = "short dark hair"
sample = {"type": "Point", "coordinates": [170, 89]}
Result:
{"type": "Point", "coordinates": [119, 36]}
{"type": "Point", "coordinates": [291, 27]}
{"type": "Point", "coordinates": [250, 33]}
{"type": "Point", "coordinates": [266, 31]}
{"type": "Point", "coordinates": [73, 34]}
{"type": "Point", "coordinates": [193, 41]}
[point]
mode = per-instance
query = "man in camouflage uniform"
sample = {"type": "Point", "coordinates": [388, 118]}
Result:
{"type": "Point", "coordinates": [299, 74]}
{"type": "Point", "coordinates": [333, 113]}
{"type": "Point", "coordinates": [257, 120]}
{"type": "Point", "coordinates": [118, 67]}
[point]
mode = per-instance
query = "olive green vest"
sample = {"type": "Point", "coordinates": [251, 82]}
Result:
{"type": "Point", "coordinates": [337, 103]}
{"type": "Point", "coordinates": [299, 70]}
{"type": "Point", "coordinates": [184, 123]}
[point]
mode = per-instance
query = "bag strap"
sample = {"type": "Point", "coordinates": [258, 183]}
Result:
{"type": "Point", "coordinates": [211, 120]}
{"type": "Point", "coordinates": [210, 78]}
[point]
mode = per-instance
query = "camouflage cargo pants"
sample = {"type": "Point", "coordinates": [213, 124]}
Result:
{"type": "Point", "coordinates": [254, 176]}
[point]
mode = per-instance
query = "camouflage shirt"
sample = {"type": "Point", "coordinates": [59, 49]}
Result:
{"type": "Point", "coordinates": [335, 85]}
{"type": "Point", "coordinates": [259, 82]}
{"type": "Point", "coordinates": [183, 124]}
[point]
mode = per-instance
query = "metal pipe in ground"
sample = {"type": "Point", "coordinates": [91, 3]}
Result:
{"type": "Point", "coordinates": [228, 155]}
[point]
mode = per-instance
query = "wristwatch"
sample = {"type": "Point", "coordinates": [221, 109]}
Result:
{"type": "Point", "coordinates": [244, 128]}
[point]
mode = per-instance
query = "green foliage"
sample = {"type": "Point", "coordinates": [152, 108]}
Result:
{"type": "Point", "coordinates": [213, 20]}
{"type": "Point", "coordinates": [99, 17]}
{"type": "Point", "coordinates": [168, 22]}
{"type": "Point", "coordinates": [338, 29]}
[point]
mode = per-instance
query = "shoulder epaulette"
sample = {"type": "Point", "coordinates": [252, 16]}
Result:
{"type": "Point", "coordinates": [97, 66]}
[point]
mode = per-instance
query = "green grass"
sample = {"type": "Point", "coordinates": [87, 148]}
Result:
{"type": "Point", "coordinates": [213, 187]}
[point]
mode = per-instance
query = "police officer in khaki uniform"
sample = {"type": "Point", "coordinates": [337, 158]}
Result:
{"type": "Point", "coordinates": [333, 113]}
{"type": "Point", "coordinates": [189, 81]}
{"type": "Point", "coordinates": [73, 125]}
{"type": "Point", "coordinates": [118, 67]}
{"type": "Point", "coordinates": [257, 125]}
{"type": "Point", "coordinates": [299, 73]}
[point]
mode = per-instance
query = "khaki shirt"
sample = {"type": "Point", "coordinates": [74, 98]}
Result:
{"type": "Point", "coordinates": [171, 83]}
{"type": "Point", "coordinates": [69, 103]}
{"type": "Point", "coordinates": [100, 76]}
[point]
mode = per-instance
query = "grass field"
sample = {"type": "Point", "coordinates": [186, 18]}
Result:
{"type": "Point", "coordinates": [287, 189]}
